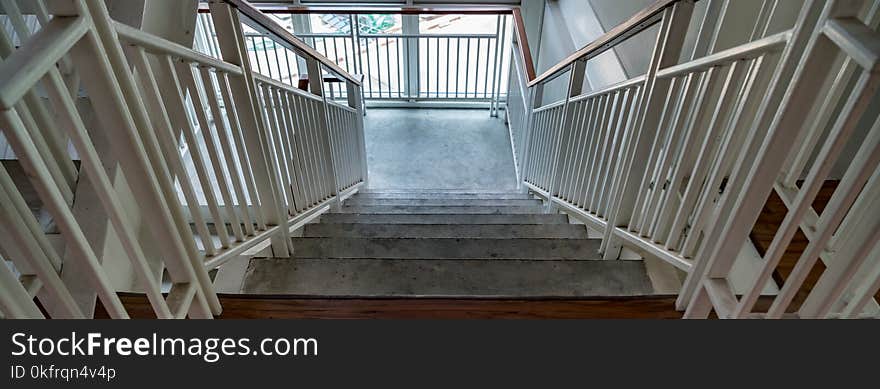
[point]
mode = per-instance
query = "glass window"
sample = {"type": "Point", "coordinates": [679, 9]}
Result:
{"type": "Point", "coordinates": [380, 24]}
{"type": "Point", "coordinates": [458, 24]}
{"type": "Point", "coordinates": [330, 23]}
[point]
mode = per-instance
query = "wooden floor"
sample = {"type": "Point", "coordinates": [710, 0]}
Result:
{"type": "Point", "coordinates": [281, 307]}
{"type": "Point", "coordinates": [767, 225]}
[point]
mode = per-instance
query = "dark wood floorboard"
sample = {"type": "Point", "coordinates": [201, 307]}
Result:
{"type": "Point", "coordinates": [767, 225]}
{"type": "Point", "coordinates": [281, 307]}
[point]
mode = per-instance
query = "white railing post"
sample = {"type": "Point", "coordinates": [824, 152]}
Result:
{"type": "Point", "coordinates": [117, 96]}
{"type": "Point", "coordinates": [753, 179]}
{"type": "Point", "coordinates": [244, 93]}
{"type": "Point", "coordinates": [631, 168]}
{"type": "Point", "coordinates": [411, 63]}
{"type": "Point", "coordinates": [316, 87]}
{"type": "Point", "coordinates": [575, 87]}
{"type": "Point", "coordinates": [536, 94]}
{"type": "Point", "coordinates": [356, 101]}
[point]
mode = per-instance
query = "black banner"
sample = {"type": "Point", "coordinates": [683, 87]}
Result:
{"type": "Point", "coordinates": [414, 354]}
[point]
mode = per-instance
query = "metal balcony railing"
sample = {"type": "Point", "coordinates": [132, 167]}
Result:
{"type": "Point", "coordinates": [395, 65]}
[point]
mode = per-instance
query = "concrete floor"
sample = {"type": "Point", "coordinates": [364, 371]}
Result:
{"type": "Point", "coordinates": [460, 149]}
{"type": "Point", "coordinates": [445, 277]}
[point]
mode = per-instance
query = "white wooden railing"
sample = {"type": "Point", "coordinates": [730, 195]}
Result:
{"type": "Point", "coordinates": [678, 163]}
{"type": "Point", "coordinates": [194, 160]}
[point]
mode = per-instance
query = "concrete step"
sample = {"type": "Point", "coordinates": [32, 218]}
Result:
{"type": "Point", "coordinates": [447, 196]}
{"type": "Point", "coordinates": [561, 231]}
{"type": "Point", "coordinates": [439, 248]}
{"type": "Point", "coordinates": [367, 218]}
{"type": "Point", "coordinates": [445, 202]}
{"type": "Point", "coordinates": [416, 209]}
{"type": "Point", "coordinates": [442, 278]}
{"type": "Point", "coordinates": [441, 191]}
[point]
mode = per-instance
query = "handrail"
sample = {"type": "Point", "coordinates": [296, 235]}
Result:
{"type": "Point", "coordinates": [642, 20]}
{"type": "Point", "coordinates": [645, 18]}
{"type": "Point", "coordinates": [522, 41]}
{"type": "Point", "coordinates": [137, 37]}
{"type": "Point", "coordinates": [515, 12]}
{"type": "Point", "coordinates": [404, 10]}
{"type": "Point", "coordinates": [271, 26]}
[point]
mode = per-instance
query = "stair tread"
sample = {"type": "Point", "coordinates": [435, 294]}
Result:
{"type": "Point", "coordinates": [444, 202]}
{"type": "Point", "coordinates": [439, 278]}
{"type": "Point", "coordinates": [354, 230]}
{"type": "Point", "coordinates": [448, 196]}
{"type": "Point", "coordinates": [443, 248]}
{"type": "Point", "coordinates": [428, 218]}
{"type": "Point", "coordinates": [411, 209]}
{"type": "Point", "coordinates": [441, 191]}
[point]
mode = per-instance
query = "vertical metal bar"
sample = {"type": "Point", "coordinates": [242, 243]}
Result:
{"type": "Point", "coordinates": [15, 301]}
{"type": "Point", "coordinates": [592, 109]}
{"type": "Point", "coordinates": [219, 163]}
{"type": "Point", "coordinates": [667, 50]}
{"type": "Point", "coordinates": [52, 199]}
{"type": "Point", "coordinates": [400, 68]}
{"type": "Point", "coordinates": [602, 147]}
{"type": "Point", "coordinates": [458, 64]}
{"type": "Point", "coordinates": [168, 142]}
{"type": "Point", "coordinates": [266, 56]}
{"type": "Point", "coordinates": [243, 158]}
{"type": "Point", "coordinates": [356, 102]}
{"type": "Point", "coordinates": [802, 55]}
{"type": "Point", "coordinates": [179, 102]}
{"type": "Point", "coordinates": [378, 66]}
{"type": "Point", "coordinates": [367, 72]}
{"type": "Point", "coordinates": [93, 166]}
{"type": "Point", "coordinates": [277, 61]}
{"type": "Point", "coordinates": [436, 67]}
{"type": "Point", "coordinates": [281, 140]}
{"type": "Point", "coordinates": [388, 63]}
{"type": "Point", "coordinates": [448, 43]}
{"type": "Point", "coordinates": [570, 145]}
{"type": "Point", "coordinates": [486, 78]}
{"type": "Point", "coordinates": [208, 136]}
{"type": "Point", "coordinates": [303, 151]}
{"type": "Point", "coordinates": [499, 45]}
{"type": "Point", "coordinates": [477, 68]}
{"type": "Point", "coordinates": [213, 37]}
{"type": "Point", "coordinates": [246, 100]}
{"type": "Point", "coordinates": [620, 129]}
{"type": "Point", "coordinates": [25, 244]}
{"type": "Point", "coordinates": [290, 144]}
{"type": "Point", "coordinates": [467, 68]}
{"type": "Point", "coordinates": [256, 56]}
{"type": "Point", "coordinates": [582, 110]}
{"type": "Point", "coordinates": [575, 85]}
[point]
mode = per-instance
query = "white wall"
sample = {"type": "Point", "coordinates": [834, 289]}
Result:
{"type": "Point", "coordinates": [572, 24]}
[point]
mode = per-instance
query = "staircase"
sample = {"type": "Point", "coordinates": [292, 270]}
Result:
{"type": "Point", "coordinates": [445, 244]}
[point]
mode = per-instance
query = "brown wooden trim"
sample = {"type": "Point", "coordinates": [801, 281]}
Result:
{"type": "Point", "coordinates": [638, 22]}
{"type": "Point", "coordinates": [349, 10]}
{"type": "Point", "coordinates": [265, 22]}
{"type": "Point", "coordinates": [238, 306]}
{"type": "Point", "coordinates": [522, 40]}
{"type": "Point", "coordinates": [518, 24]}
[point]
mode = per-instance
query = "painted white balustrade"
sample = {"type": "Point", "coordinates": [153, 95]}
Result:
{"type": "Point", "coordinates": [194, 160]}
{"type": "Point", "coordinates": [678, 163]}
